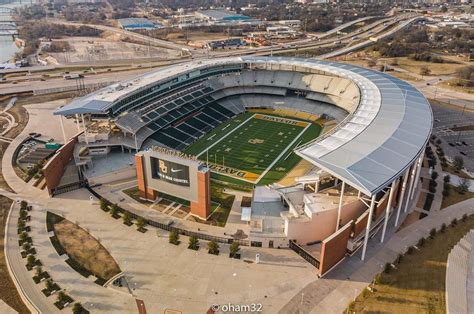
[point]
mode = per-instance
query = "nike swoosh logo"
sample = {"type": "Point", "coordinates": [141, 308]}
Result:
{"type": "Point", "coordinates": [176, 170]}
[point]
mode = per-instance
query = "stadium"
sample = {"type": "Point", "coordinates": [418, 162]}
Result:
{"type": "Point", "coordinates": [331, 152]}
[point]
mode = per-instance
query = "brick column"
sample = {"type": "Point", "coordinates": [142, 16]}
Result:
{"type": "Point", "coordinates": [140, 176]}
{"type": "Point", "coordinates": [202, 208]}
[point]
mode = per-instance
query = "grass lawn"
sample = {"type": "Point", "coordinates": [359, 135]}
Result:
{"type": "Point", "coordinates": [221, 206]}
{"type": "Point", "coordinates": [404, 76]}
{"type": "Point", "coordinates": [254, 148]}
{"type": "Point", "coordinates": [8, 292]}
{"type": "Point", "coordinates": [453, 170]}
{"type": "Point", "coordinates": [436, 68]}
{"type": "Point", "coordinates": [225, 200]}
{"type": "Point", "coordinates": [135, 194]}
{"type": "Point", "coordinates": [453, 84]}
{"type": "Point", "coordinates": [455, 197]}
{"type": "Point", "coordinates": [86, 250]}
{"type": "Point", "coordinates": [418, 283]}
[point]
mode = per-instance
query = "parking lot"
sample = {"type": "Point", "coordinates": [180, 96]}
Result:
{"type": "Point", "coordinates": [455, 127]}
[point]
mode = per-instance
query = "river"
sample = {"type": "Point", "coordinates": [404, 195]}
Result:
{"type": "Point", "coordinates": [8, 47]}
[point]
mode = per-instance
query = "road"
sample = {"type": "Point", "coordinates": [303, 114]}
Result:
{"type": "Point", "coordinates": [298, 45]}
{"type": "Point", "coordinates": [449, 96]}
{"type": "Point", "coordinates": [402, 24]}
{"type": "Point", "coordinates": [375, 29]}
{"type": "Point", "coordinates": [59, 82]}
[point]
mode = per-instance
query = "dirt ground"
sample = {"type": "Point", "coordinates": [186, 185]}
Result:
{"type": "Point", "coordinates": [92, 48]}
{"type": "Point", "coordinates": [86, 250]}
{"type": "Point", "coordinates": [8, 292]}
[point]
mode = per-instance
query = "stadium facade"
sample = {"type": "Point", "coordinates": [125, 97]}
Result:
{"type": "Point", "coordinates": [364, 169]}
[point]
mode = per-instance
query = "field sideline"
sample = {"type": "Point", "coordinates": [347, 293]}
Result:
{"type": "Point", "coordinates": [254, 148]}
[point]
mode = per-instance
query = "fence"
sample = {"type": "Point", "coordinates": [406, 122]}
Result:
{"type": "Point", "coordinates": [169, 227]}
{"type": "Point", "coordinates": [304, 254]}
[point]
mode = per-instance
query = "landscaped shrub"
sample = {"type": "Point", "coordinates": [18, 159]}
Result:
{"type": "Point", "coordinates": [193, 243]}
{"type": "Point", "coordinates": [421, 242]}
{"type": "Point", "coordinates": [40, 275]}
{"type": "Point", "coordinates": [141, 223]}
{"type": "Point", "coordinates": [63, 300]}
{"type": "Point", "coordinates": [104, 205]}
{"type": "Point", "coordinates": [432, 233]}
{"type": "Point", "coordinates": [174, 237]}
{"type": "Point", "coordinates": [464, 217]}
{"type": "Point", "coordinates": [365, 293]}
{"type": "Point", "coordinates": [31, 262]}
{"type": "Point", "coordinates": [432, 186]}
{"type": "Point", "coordinates": [114, 212]}
{"type": "Point", "coordinates": [454, 222]}
{"type": "Point", "coordinates": [23, 214]}
{"type": "Point", "coordinates": [79, 309]}
{"type": "Point", "coordinates": [21, 224]}
{"type": "Point", "coordinates": [399, 258]}
{"type": "Point", "coordinates": [387, 268]}
{"type": "Point", "coordinates": [234, 250]}
{"type": "Point", "coordinates": [23, 204]}
{"type": "Point", "coordinates": [351, 307]}
{"type": "Point", "coordinates": [26, 246]}
{"type": "Point", "coordinates": [443, 227]}
{"type": "Point", "coordinates": [447, 178]}
{"type": "Point", "coordinates": [24, 238]}
{"type": "Point", "coordinates": [378, 279]}
{"type": "Point", "coordinates": [446, 189]}
{"type": "Point", "coordinates": [127, 219]}
{"type": "Point", "coordinates": [213, 248]}
{"type": "Point", "coordinates": [428, 201]}
{"type": "Point", "coordinates": [50, 287]}
{"type": "Point", "coordinates": [434, 175]}
{"type": "Point", "coordinates": [410, 250]}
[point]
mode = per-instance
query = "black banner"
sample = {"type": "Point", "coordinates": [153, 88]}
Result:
{"type": "Point", "coordinates": [169, 171]}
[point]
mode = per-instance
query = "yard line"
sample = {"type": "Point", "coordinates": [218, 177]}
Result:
{"type": "Point", "coordinates": [217, 142]}
{"type": "Point", "coordinates": [282, 153]}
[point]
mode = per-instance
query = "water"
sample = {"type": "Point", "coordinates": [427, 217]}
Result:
{"type": "Point", "coordinates": [8, 47]}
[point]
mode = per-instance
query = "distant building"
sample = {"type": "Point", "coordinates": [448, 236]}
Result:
{"type": "Point", "coordinates": [226, 43]}
{"type": "Point", "coordinates": [219, 16]}
{"type": "Point", "coordinates": [137, 23]}
{"type": "Point", "coordinates": [290, 23]}
{"type": "Point", "coordinates": [84, 1]}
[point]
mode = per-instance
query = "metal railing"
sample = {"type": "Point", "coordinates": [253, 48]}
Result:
{"type": "Point", "coordinates": [304, 254]}
{"type": "Point", "coordinates": [170, 227]}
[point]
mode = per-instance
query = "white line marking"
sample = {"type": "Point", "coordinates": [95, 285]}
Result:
{"type": "Point", "coordinates": [282, 153]}
{"type": "Point", "coordinates": [208, 148]}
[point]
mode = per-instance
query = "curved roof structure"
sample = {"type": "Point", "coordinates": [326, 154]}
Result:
{"type": "Point", "coordinates": [388, 125]}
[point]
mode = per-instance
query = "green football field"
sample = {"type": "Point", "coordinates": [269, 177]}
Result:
{"type": "Point", "coordinates": [253, 148]}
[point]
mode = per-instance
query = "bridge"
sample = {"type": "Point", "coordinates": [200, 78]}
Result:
{"type": "Point", "coordinates": [6, 11]}
{"type": "Point", "coordinates": [8, 29]}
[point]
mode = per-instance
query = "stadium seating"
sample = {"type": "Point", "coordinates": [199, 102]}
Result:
{"type": "Point", "coordinates": [183, 133]}
{"type": "Point", "coordinates": [182, 115]}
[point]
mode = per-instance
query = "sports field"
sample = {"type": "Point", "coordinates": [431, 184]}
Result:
{"type": "Point", "coordinates": [253, 148]}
